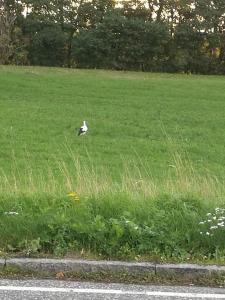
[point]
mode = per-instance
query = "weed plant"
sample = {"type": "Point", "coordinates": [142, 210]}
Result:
{"type": "Point", "coordinates": [91, 215]}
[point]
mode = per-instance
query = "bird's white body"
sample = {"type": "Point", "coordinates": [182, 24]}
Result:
{"type": "Point", "coordinates": [83, 129]}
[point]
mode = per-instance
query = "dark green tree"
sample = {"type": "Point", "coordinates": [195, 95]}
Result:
{"type": "Point", "coordinates": [70, 15]}
{"type": "Point", "coordinates": [47, 47]}
{"type": "Point", "coordinates": [121, 43]}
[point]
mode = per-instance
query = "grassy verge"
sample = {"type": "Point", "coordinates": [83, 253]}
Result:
{"type": "Point", "coordinates": [178, 219]}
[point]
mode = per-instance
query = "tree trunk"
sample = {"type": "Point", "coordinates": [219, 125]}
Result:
{"type": "Point", "coordinates": [6, 26]}
{"type": "Point", "coordinates": [159, 11]}
{"type": "Point", "coordinates": [69, 51]}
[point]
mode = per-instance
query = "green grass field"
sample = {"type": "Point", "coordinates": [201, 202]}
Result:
{"type": "Point", "coordinates": [152, 137]}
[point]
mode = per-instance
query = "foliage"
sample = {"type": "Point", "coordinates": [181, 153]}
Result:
{"type": "Point", "coordinates": [163, 227]}
{"type": "Point", "coordinates": [121, 43]}
{"type": "Point", "coordinates": [48, 47]}
{"type": "Point", "coordinates": [170, 36]}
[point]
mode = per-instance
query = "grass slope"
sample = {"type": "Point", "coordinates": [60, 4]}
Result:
{"type": "Point", "coordinates": [127, 113]}
{"type": "Point", "coordinates": [149, 169]}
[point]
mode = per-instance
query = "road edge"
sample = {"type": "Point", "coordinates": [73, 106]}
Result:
{"type": "Point", "coordinates": [113, 271]}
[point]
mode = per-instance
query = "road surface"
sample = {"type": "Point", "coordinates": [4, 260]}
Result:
{"type": "Point", "coordinates": [70, 290]}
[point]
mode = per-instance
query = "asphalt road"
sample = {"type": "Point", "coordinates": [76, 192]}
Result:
{"type": "Point", "coordinates": [70, 290]}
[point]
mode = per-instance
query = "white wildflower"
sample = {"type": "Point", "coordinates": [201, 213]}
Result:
{"type": "Point", "coordinates": [201, 223]}
{"type": "Point", "coordinates": [208, 214]}
{"type": "Point", "coordinates": [207, 233]}
{"type": "Point", "coordinates": [214, 227]}
{"type": "Point", "coordinates": [172, 166]}
{"type": "Point", "coordinates": [221, 224]}
{"type": "Point", "coordinates": [11, 213]}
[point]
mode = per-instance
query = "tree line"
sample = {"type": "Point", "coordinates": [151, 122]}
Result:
{"type": "Point", "coordinates": [148, 35]}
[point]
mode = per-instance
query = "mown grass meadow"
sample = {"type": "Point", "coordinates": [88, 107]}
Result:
{"type": "Point", "coordinates": [136, 186]}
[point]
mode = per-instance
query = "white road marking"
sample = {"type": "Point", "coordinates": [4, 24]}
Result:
{"type": "Point", "coordinates": [187, 295]}
{"type": "Point", "coordinates": [110, 291]}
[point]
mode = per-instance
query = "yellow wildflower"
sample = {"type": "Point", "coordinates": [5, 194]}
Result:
{"type": "Point", "coordinates": [73, 195]}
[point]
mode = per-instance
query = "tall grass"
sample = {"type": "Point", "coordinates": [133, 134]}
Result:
{"type": "Point", "coordinates": [135, 181]}
{"type": "Point", "coordinates": [135, 215]}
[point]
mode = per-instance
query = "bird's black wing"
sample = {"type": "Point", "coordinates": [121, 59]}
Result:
{"type": "Point", "coordinates": [80, 131]}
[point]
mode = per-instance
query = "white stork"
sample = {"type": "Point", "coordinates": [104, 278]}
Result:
{"type": "Point", "coordinates": [83, 129]}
